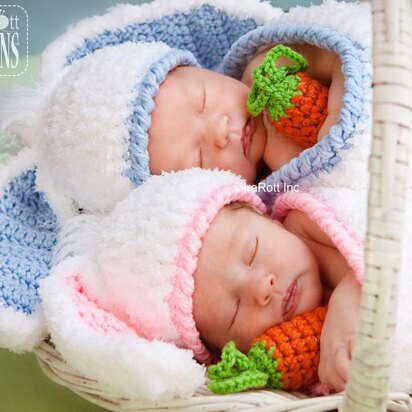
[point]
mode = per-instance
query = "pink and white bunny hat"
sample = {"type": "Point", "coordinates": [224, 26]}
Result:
{"type": "Point", "coordinates": [119, 299]}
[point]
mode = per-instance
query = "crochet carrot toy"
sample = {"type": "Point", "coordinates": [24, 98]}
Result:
{"type": "Point", "coordinates": [295, 103]}
{"type": "Point", "coordinates": [286, 356]}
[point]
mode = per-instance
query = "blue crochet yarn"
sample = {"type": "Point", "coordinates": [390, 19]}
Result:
{"type": "Point", "coordinates": [139, 121]}
{"type": "Point", "coordinates": [27, 236]}
{"type": "Point", "coordinates": [325, 155]}
{"type": "Point", "coordinates": [205, 31]}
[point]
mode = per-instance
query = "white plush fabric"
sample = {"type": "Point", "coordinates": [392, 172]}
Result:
{"type": "Point", "coordinates": [94, 140]}
{"type": "Point", "coordinates": [20, 332]}
{"type": "Point", "coordinates": [353, 19]}
{"type": "Point", "coordinates": [15, 165]}
{"type": "Point", "coordinates": [126, 363]}
{"type": "Point", "coordinates": [79, 129]}
{"type": "Point", "coordinates": [136, 246]}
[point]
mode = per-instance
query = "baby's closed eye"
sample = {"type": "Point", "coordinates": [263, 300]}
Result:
{"type": "Point", "coordinates": [253, 251]}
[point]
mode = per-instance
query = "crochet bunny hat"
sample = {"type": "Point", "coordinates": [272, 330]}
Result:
{"type": "Point", "coordinates": [92, 105]}
{"type": "Point", "coordinates": [119, 299]}
{"type": "Point", "coordinates": [94, 130]}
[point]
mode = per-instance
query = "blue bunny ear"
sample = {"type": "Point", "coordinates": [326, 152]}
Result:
{"type": "Point", "coordinates": [27, 235]}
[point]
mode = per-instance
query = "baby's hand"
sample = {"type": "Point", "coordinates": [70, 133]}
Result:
{"type": "Point", "coordinates": [335, 97]}
{"type": "Point", "coordinates": [279, 149]}
{"type": "Point", "coordinates": [339, 332]}
{"type": "Point", "coordinates": [330, 120]}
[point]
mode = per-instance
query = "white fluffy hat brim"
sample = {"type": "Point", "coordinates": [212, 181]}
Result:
{"type": "Point", "coordinates": [102, 347]}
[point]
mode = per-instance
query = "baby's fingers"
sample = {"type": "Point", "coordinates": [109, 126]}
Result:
{"type": "Point", "coordinates": [332, 378]}
{"type": "Point", "coordinates": [339, 373]}
{"type": "Point", "coordinates": [342, 362]}
{"type": "Point", "coordinates": [334, 371]}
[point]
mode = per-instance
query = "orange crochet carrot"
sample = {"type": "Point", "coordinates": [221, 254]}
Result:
{"type": "Point", "coordinates": [296, 104]}
{"type": "Point", "coordinates": [286, 356]}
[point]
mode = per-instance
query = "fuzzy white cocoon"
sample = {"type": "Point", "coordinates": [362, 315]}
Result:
{"type": "Point", "coordinates": [20, 332]}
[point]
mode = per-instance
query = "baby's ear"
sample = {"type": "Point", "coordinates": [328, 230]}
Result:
{"type": "Point", "coordinates": [103, 347]}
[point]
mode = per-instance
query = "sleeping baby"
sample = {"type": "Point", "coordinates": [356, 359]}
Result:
{"type": "Point", "coordinates": [113, 118]}
{"type": "Point", "coordinates": [191, 259]}
{"type": "Point", "coordinates": [201, 119]}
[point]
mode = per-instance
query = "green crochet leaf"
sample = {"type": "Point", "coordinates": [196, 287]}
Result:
{"type": "Point", "coordinates": [274, 87]}
{"type": "Point", "coordinates": [237, 372]}
{"type": "Point", "coordinates": [232, 361]}
{"type": "Point", "coordinates": [246, 380]}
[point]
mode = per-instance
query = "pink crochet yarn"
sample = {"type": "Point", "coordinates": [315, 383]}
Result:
{"type": "Point", "coordinates": [99, 320]}
{"type": "Point", "coordinates": [325, 217]}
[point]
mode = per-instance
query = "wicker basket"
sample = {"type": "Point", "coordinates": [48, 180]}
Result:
{"type": "Point", "coordinates": [367, 389]}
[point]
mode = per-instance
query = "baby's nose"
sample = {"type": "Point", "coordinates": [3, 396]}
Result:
{"type": "Point", "coordinates": [264, 289]}
{"type": "Point", "coordinates": [221, 132]}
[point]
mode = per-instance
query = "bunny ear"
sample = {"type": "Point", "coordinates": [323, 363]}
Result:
{"type": "Point", "coordinates": [103, 347]}
{"type": "Point", "coordinates": [26, 237]}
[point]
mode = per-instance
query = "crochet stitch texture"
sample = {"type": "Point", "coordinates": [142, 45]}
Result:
{"type": "Point", "coordinates": [285, 356]}
{"type": "Point", "coordinates": [27, 236]}
{"type": "Point", "coordinates": [296, 103]}
{"type": "Point", "coordinates": [325, 155]}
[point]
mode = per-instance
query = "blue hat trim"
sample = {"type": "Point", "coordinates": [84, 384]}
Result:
{"type": "Point", "coordinates": [324, 156]}
{"type": "Point", "coordinates": [139, 122]}
{"type": "Point", "coordinates": [27, 237]}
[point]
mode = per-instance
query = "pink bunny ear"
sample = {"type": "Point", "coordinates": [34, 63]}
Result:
{"type": "Point", "coordinates": [93, 317]}
{"type": "Point", "coordinates": [103, 347]}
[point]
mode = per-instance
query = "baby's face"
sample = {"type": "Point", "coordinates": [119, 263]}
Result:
{"type": "Point", "coordinates": [252, 274]}
{"type": "Point", "coordinates": [200, 119]}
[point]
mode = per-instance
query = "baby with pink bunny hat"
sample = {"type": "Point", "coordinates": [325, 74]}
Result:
{"type": "Point", "coordinates": [188, 260]}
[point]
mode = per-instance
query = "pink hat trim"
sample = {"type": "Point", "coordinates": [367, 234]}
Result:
{"type": "Point", "coordinates": [181, 299]}
{"type": "Point", "coordinates": [345, 239]}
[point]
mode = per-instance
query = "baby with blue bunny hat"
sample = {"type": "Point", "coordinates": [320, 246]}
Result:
{"type": "Point", "coordinates": [128, 111]}
{"type": "Point", "coordinates": [201, 118]}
